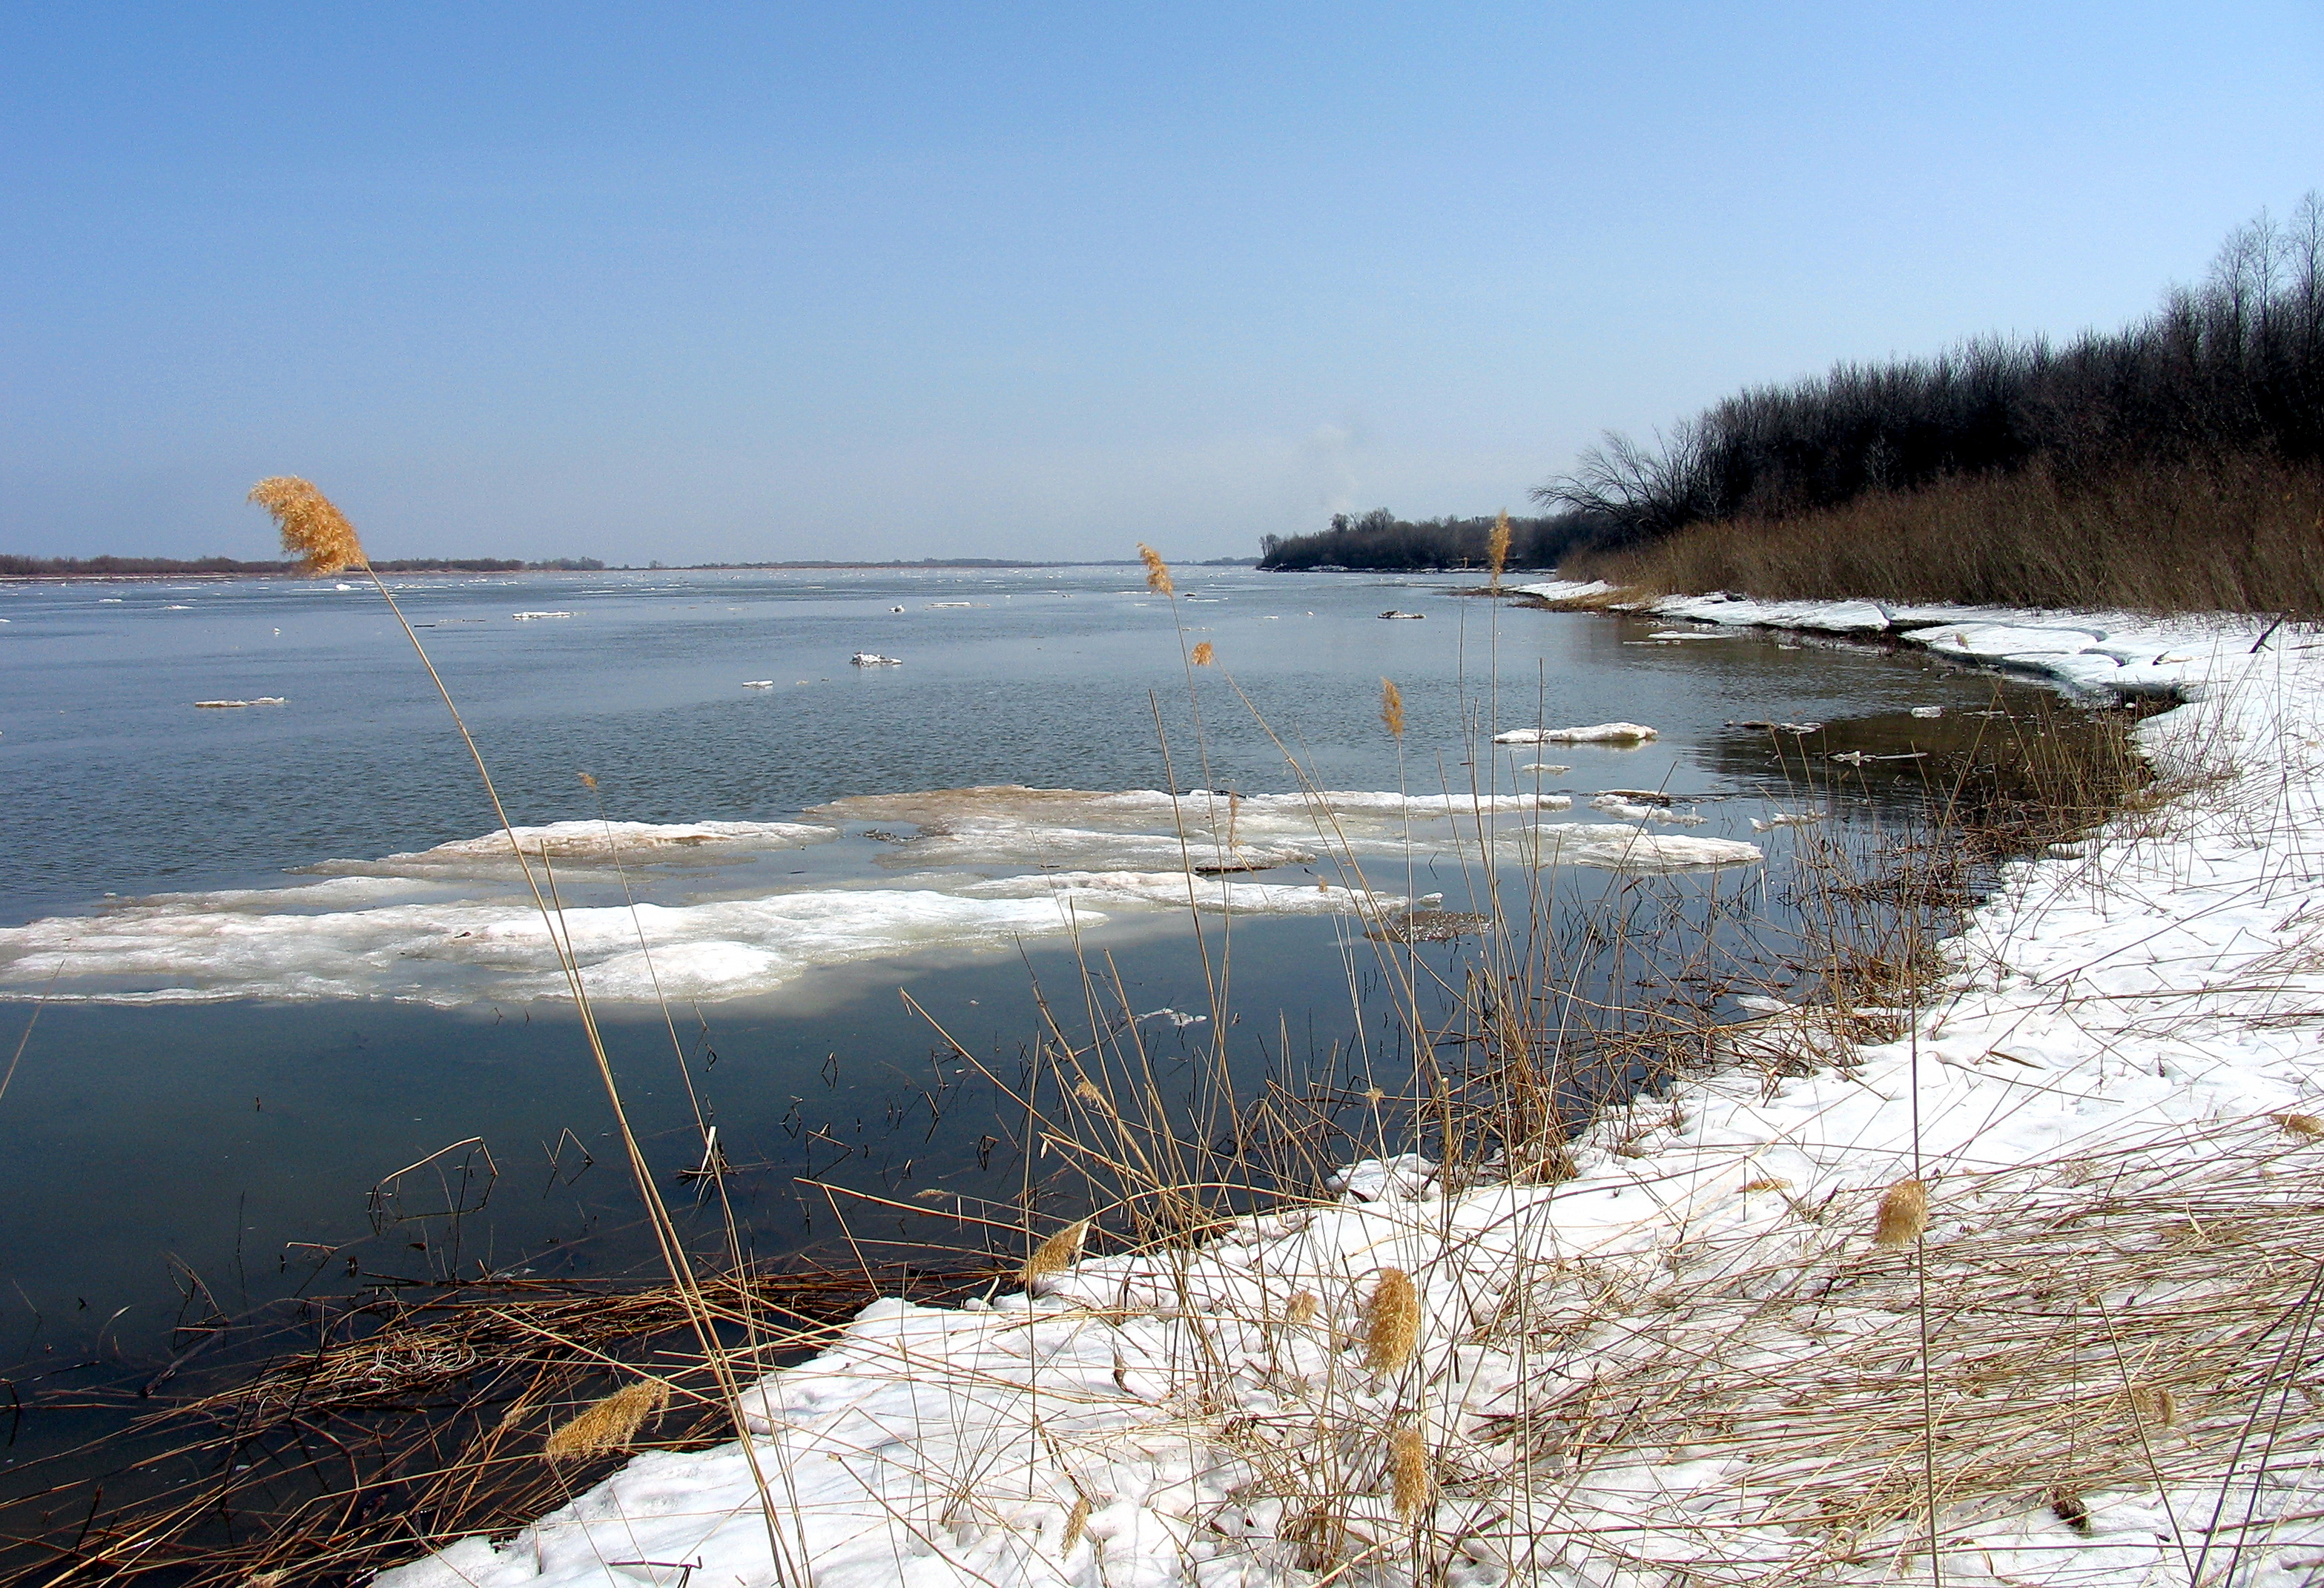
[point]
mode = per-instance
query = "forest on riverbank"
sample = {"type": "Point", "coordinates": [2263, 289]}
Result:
{"type": "Point", "coordinates": [1380, 539]}
{"type": "Point", "coordinates": [2176, 463]}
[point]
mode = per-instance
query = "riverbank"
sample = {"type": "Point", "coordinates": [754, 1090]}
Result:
{"type": "Point", "coordinates": [1694, 1355]}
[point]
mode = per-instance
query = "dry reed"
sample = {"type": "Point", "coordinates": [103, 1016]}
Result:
{"type": "Point", "coordinates": [1058, 1252]}
{"type": "Point", "coordinates": [1496, 548]}
{"type": "Point", "coordinates": [1904, 1215]}
{"type": "Point", "coordinates": [1408, 1464]}
{"type": "Point", "coordinates": [1391, 1322]}
{"type": "Point", "coordinates": [317, 531]}
{"type": "Point", "coordinates": [1157, 572]}
{"type": "Point", "coordinates": [610, 1424]}
{"type": "Point", "coordinates": [1392, 707]}
{"type": "Point", "coordinates": [2242, 534]}
{"type": "Point", "coordinates": [1204, 656]}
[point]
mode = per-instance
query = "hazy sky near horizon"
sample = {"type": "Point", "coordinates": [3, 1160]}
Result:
{"type": "Point", "coordinates": [729, 281]}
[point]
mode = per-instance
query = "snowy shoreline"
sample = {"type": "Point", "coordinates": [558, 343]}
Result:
{"type": "Point", "coordinates": [1689, 1359]}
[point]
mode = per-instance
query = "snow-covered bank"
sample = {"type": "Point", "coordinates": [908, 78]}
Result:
{"type": "Point", "coordinates": [2087, 653]}
{"type": "Point", "coordinates": [1688, 1358]}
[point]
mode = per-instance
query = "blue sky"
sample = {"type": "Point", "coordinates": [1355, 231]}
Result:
{"type": "Point", "coordinates": [713, 282]}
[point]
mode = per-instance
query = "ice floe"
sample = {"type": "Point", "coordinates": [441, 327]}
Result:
{"type": "Point", "coordinates": [1616, 804]}
{"type": "Point", "coordinates": [1075, 890]}
{"type": "Point", "coordinates": [1596, 733]}
{"type": "Point", "coordinates": [360, 938]}
{"type": "Point", "coordinates": [263, 700]}
{"type": "Point", "coordinates": [874, 659]}
{"type": "Point", "coordinates": [598, 843]}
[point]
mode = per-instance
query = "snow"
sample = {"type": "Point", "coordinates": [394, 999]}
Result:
{"type": "Point", "coordinates": [2093, 655]}
{"type": "Point", "coordinates": [1685, 1361]}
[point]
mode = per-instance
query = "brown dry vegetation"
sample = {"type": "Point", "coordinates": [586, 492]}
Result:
{"type": "Point", "coordinates": [2243, 535]}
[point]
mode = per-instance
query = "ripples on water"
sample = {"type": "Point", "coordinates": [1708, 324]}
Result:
{"type": "Point", "coordinates": [287, 958]}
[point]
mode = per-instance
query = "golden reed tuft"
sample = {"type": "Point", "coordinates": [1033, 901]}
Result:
{"type": "Point", "coordinates": [1392, 706]}
{"type": "Point", "coordinates": [2154, 1406]}
{"type": "Point", "coordinates": [2299, 1127]}
{"type": "Point", "coordinates": [1077, 1524]}
{"type": "Point", "coordinates": [1058, 1252]}
{"type": "Point", "coordinates": [312, 526]}
{"type": "Point", "coordinates": [1497, 547]}
{"type": "Point", "coordinates": [1904, 1215]}
{"type": "Point", "coordinates": [1302, 1308]}
{"type": "Point", "coordinates": [1203, 655]}
{"type": "Point", "coordinates": [1157, 572]}
{"type": "Point", "coordinates": [1391, 1322]}
{"type": "Point", "coordinates": [1086, 1090]}
{"type": "Point", "coordinates": [610, 1424]}
{"type": "Point", "coordinates": [1407, 1459]}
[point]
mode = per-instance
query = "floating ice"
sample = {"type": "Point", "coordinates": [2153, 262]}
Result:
{"type": "Point", "coordinates": [1542, 768]}
{"type": "Point", "coordinates": [522, 617]}
{"type": "Point", "coordinates": [1143, 830]}
{"type": "Point", "coordinates": [1785, 819]}
{"type": "Point", "coordinates": [630, 843]}
{"type": "Point", "coordinates": [1175, 1017]}
{"type": "Point", "coordinates": [874, 659]}
{"type": "Point", "coordinates": [1615, 805]}
{"type": "Point", "coordinates": [1928, 711]}
{"type": "Point", "coordinates": [1073, 891]}
{"type": "Point", "coordinates": [1694, 634]}
{"type": "Point", "coordinates": [1620, 847]}
{"type": "Point", "coordinates": [1596, 733]}
{"type": "Point", "coordinates": [365, 938]}
{"type": "Point", "coordinates": [758, 684]}
{"type": "Point", "coordinates": [263, 700]}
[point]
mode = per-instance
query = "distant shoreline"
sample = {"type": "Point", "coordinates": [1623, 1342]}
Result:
{"type": "Point", "coordinates": [208, 568]}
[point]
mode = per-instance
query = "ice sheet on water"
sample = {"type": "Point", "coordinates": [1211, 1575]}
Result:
{"type": "Point", "coordinates": [1143, 830]}
{"type": "Point", "coordinates": [1618, 847]}
{"type": "Point", "coordinates": [595, 843]}
{"type": "Point", "coordinates": [1630, 809]}
{"type": "Point", "coordinates": [371, 938]}
{"type": "Point", "coordinates": [1075, 893]}
{"type": "Point", "coordinates": [1595, 733]}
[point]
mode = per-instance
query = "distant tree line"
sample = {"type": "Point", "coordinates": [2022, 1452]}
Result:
{"type": "Point", "coordinates": [1380, 539]}
{"type": "Point", "coordinates": [100, 567]}
{"type": "Point", "coordinates": [2219, 376]}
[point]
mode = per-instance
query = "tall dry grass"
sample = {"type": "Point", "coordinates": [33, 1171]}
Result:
{"type": "Point", "coordinates": [2245, 534]}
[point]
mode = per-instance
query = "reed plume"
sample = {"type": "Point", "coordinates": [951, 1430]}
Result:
{"type": "Point", "coordinates": [1157, 572]}
{"type": "Point", "coordinates": [1058, 1252]}
{"type": "Point", "coordinates": [2302, 1127]}
{"type": "Point", "coordinates": [312, 526]}
{"type": "Point", "coordinates": [1203, 655]}
{"type": "Point", "coordinates": [2156, 1406]}
{"type": "Point", "coordinates": [1408, 1461]}
{"type": "Point", "coordinates": [1904, 1215]}
{"type": "Point", "coordinates": [1302, 1309]}
{"type": "Point", "coordinates": [610, 1424]}
{"type": "Point", "coordinates": [1392, 706]}
{"type": "Point", "coordinates": [1392, 1322]}
{"type": "Point", "coordinates": [1497, 547]}
{"type": "Point", "coordinates": [1077, 1524]}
